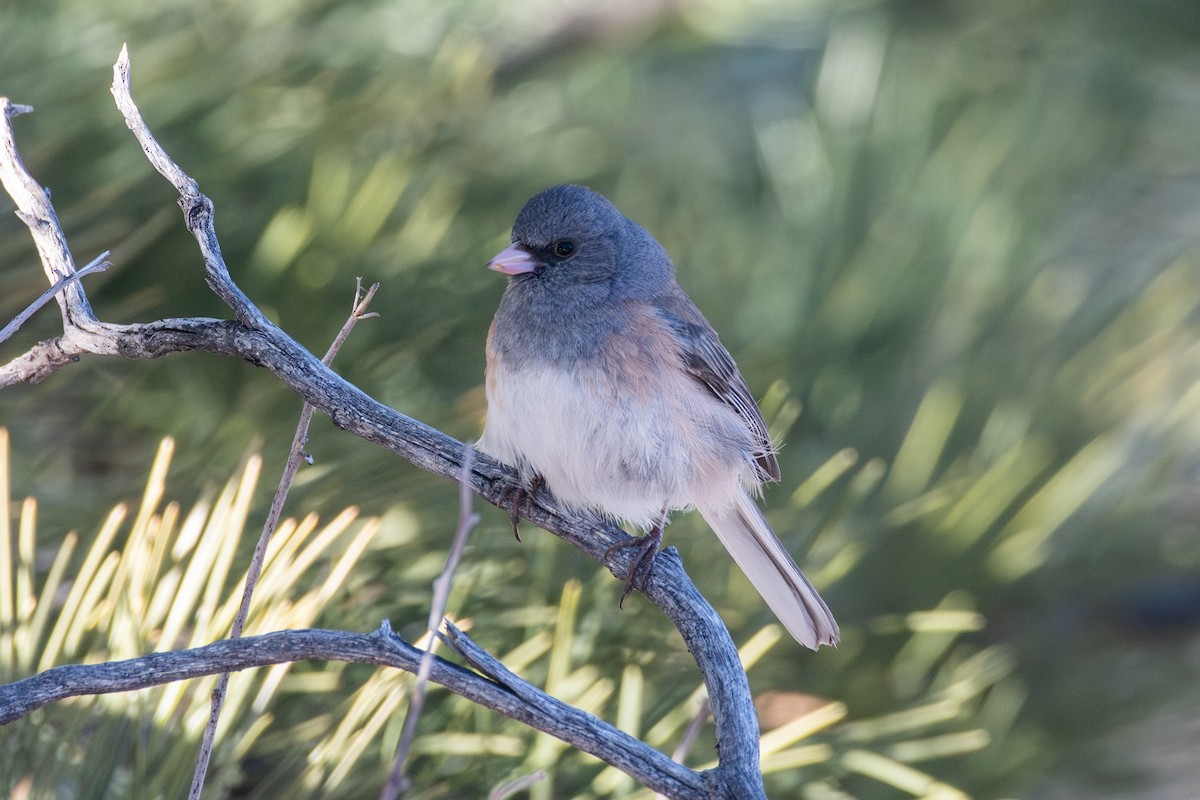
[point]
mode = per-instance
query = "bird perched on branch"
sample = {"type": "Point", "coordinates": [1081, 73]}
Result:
{"type": "Point", "coordinates": [606, 384]}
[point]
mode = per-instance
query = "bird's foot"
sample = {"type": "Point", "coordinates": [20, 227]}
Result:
{"type": "Point", "coordinates": [519, 495]}
{"type": "Point", "coordinates": [639, 570]}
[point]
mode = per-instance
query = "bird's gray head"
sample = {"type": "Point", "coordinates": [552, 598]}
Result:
{"type": "Point", "coordinates": [569, 236]}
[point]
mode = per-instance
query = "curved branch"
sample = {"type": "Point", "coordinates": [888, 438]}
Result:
{"type": "Point", "coordinates": [497, 689]}
{"type": "Point", "coordinates": [197, 209]}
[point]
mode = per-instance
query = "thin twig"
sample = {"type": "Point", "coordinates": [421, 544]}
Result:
{"type": "Point", "coordinates": [690, 734]}
{"type": "Point", "coordinates": [98, 264]}
{"type": "Point", "coordinates": [398, 783]}
{"type": "Point", "coordinates": [291, 467]}
{"type": "Point", "coordinates": [506, 790]}
{"type": "Point", "coordinates": [693, 731]}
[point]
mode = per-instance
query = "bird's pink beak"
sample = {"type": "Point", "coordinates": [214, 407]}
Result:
{"type": "Point", "coordinates": [513, 260]}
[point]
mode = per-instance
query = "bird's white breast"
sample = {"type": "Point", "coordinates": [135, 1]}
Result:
{"type": "Point", "coordinates": [617, 437]}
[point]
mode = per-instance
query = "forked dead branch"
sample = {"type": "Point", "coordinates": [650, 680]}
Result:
{"type": "Point", "coordinates": [251, 337]}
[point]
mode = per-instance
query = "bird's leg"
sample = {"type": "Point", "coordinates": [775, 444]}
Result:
{"type": "Point", "coordinates": [517, 495]}
{"type": "Point", "coordinates": [647, 548]}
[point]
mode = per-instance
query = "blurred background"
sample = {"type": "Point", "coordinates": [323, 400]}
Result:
{"type": "Point", "coordinates": [954, 247]}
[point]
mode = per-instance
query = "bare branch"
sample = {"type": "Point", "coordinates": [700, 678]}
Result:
{"type": "Point", "coordinates": [34, 209]}
{"type": "Point", "coordinates": [485, 663]}
{"type": "Point", "coordinates": [197, 209]}
{"type": "Point", "coordinates": [382, 648]}
{"type": "Point", "coordinates": [149, 340]}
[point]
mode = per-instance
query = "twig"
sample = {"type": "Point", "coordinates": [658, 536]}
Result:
{"type": "Point", "coordinates": [690, 734]}
{"type": "Point", "coordinates": [512, 787]}
{"type": "Point", "coordinates": [693, 730]}
{"type": "Point", "coordinates": [98, 264]}
{"type": "Point", "coordinates": [398, 783]}
{"type": "Point", "coordinates": [291, 467]}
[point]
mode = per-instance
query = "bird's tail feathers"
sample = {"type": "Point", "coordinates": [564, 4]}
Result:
{"type": "Point", "coordinates": [745, 533]}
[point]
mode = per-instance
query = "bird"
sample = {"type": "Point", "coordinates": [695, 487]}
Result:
{"type": "Point", "coordinates": [606, 385]}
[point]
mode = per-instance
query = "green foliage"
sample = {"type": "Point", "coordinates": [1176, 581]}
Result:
{"type": "Point", "coordinates": [953, 239]}
{"type": "Point", "coordinates": [168, 584]}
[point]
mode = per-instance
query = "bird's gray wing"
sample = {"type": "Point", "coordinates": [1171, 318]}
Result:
{"type": "Point", "coordinates": [707, 360]}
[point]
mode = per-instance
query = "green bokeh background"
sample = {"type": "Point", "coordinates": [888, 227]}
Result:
{"type": "Point", "coordinates": [963, 238]}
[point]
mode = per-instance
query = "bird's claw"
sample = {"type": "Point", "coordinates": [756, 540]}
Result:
{"type": "Point", "coordinates": [639, 570]}
{"type": "Point", "coordinates": [518, 495]}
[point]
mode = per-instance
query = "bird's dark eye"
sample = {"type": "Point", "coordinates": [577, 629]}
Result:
{"type": "Point", "coordinates": [564, 248]}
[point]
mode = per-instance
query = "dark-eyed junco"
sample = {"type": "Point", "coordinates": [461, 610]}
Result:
{"type": "Point", "coordinates": [605, 382]}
